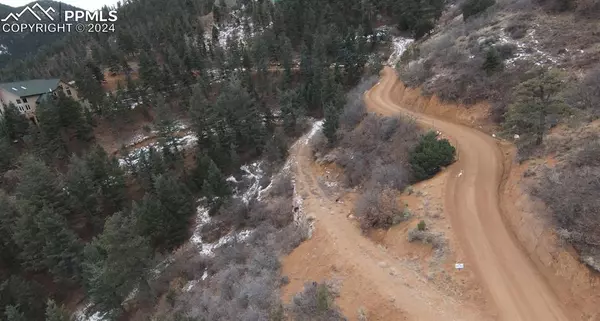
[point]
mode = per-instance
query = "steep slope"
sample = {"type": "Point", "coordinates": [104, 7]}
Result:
{"type": "Point", "coordinates": [370, 275]}
{"type": "Point", "coordinates": [472, 203]}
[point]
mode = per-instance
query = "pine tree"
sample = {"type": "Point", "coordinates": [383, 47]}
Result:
{"type": "Point", "coordinates": [149, 72]}
{"type": "Point", "coordinates": [178, 207]}
{"type": "Point", "coordinates": [46, 242]}
{"type": "Point", "coordinates": [239, 121]}
{"type": "Point", "coordinates": [13, 125]}
{"type": "Point", "coordinates": [430, 155]}
{"type": "Point", "coordinates": [49, 141]}
{"type": "Point", "coordinates": [8, 217]}
{"type": "Point", "coordinates": [8, 153]}
{"type": "Point", "coordinates": [62, 249]}
{"type": "Point", "coordinates": [199, 109]}
{"type": "Point", "coordinates": [493, 62]}
{"type": "Point", "coordinates": [56, 313]}
{"type": "Point", "coordinates": [13, 313]}
{"type": "Point", "coordinates": [71, 116]}
{"type": "Point", "coordinates": [215, 34]}
{"type": "Point", "coordinates": [84, 195]}
{"type": "Point", "coordinates": [150, 219]}
{"type": "Point", "coordinates": [89, 85]}
{"type": "Point", "coordinates": [214, 186]}
{"type": "Point", "coordinates": [109, 177]}
{"type": "Point", "coordinates": [25, 236]}
{"type": "Point", "coordinates": [286, 59]}
{"type": "Point", "coordinates": [291, 109]}
{"type": "Point", "coordinates": [332, 92]}
{"type": "Point", "coordinates": [18, 292]}
{"type": "Point", "coordinates": [167, 131]}
{"type": "Point", "coordinates": [331, 123]}
{"type": "Point", "coordinates": [537, 99]}
{"type": "Point", "coordinates": [199, 173]}
{"type": "Point", "coordinates": [39, 187]}
{"type": "Point", "coordinates": [115, 263]}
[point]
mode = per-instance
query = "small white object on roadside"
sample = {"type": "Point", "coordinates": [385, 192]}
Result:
{"type": "Point", "coordinates": [517, 136]}
{"type": "Point", "coordinates": [494, 135]}
{"type": "Point", "coordinates": [459, 266]}
{"type": "Point", "coordinates": [460, 174]}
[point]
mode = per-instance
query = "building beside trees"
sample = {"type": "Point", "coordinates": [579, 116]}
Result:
{"type": "Point", "coordinates": [26, 96]}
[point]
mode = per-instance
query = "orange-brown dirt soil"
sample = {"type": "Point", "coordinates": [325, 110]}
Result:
{"type": "Point", "coordinates": [482, 201]}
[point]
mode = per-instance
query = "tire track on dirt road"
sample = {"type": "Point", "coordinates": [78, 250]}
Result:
{"type": "Point", "coordinates": [472, 202]}
{"type": "Point", "coordinates": [371, 276]}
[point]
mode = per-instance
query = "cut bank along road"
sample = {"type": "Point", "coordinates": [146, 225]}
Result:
{"type": "Point", "coordinates": [472, 202]}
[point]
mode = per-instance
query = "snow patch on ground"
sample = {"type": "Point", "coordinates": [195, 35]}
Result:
{"type": "Point", "coordinates": [233, 29]}
{"type": "Point", "coordinates": [208, 249]}
{"type": "Point", "coordinates": [191, 284]}
{"type": "Point", "coordinates": [528, 49]}
{"type": "Point", "coordinates": [254, 173]}
{"type": "Point", "coordinates": [399, 46]}
{"type": "Point", "coordinates": [80, 315]}
{"type": "Point", "coordinates": [299, 214]}
{"type": "Point", "coordinates": [203, 218]}
{"type": "Point", "coordinates": [185, 142]}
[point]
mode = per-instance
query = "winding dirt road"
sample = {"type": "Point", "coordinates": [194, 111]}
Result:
{"type": "Point", "coordinates": [472, 202]}
{"type": "Point", "coordinates": [371, 275]}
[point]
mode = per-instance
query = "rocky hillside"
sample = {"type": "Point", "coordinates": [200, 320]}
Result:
{"type": "Point", "coordinates": [537, 65]}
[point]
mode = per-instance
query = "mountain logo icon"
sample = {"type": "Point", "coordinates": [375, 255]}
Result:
{"type": "Point", "coordinates": [15, 17]}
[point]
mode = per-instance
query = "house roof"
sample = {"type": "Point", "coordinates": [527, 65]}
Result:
{"type": "Point", "coordinates": [30, 87]}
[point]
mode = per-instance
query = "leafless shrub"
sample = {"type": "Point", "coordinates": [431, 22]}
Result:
{"type": "Point", "coordinates": [353, 113]}
{"type": "Point", "coordinates": [279, 212]}
{"type": "Point", "coordinates": [571, 192]}
{"type": "Point", "coordinates": [282, 186]}
{"type": "Point", "coordinates": [506, 50]}
{"type": "Point", "coordinates": [476, 23]}
{"type": "Point", "coordinates": [587, 155]}
{"type": "Point", "coordinates": [465, 81]}
{"type": "Point", "coordinates": [436, 240]}
{"type": "Point", "coordinates": [437, 45]}
{"type": "Point", "coordinates": [235, 212]}
{"type": "Point", "coordinates": [186, 263]}
{"type": "Point", "coordinates": [388, 127]}
{"type": "Point", "coordinates": [517, 5]}
{"type": "Point", "coordinates": [557, 5]}
{"type": "Point", "coordinates": [290, 238]}
{"type": "Point", "coordinates": [377, 208]}
{"type": "Point", "coordinates": [356, 167]}
{"type": "Point", "coordinates": [319, 144]}
{"type": "Point", "coordinates": [517, 29]}
{"type": "Point", "coordinates": [456, 56]}
{"type": "Point", "coordinates": [588, 7]}
{"type": "Point", "coordinates": [415, 73]}
{"type": "Point", "coordinates": [355, 109]}
{"type": "Point", "coordinates": [214, 230]}
{"type": "Point", "coordinates": [315, 302]}
{"type": "Point", "coordinates": [586, 94]}
{"type": "Point", "coordinates": [243, 284]}
{"type": "Point", "coordinates": [378, 146]}
{"type": "Point", "coordinates": [391, 176]}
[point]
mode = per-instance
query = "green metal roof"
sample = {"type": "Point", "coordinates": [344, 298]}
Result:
{"type": "Point", "coordinates": [30, 87]}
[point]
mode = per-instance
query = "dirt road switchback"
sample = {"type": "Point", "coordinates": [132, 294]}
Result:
{"type": "Point", "coordinates": [472, 202]}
